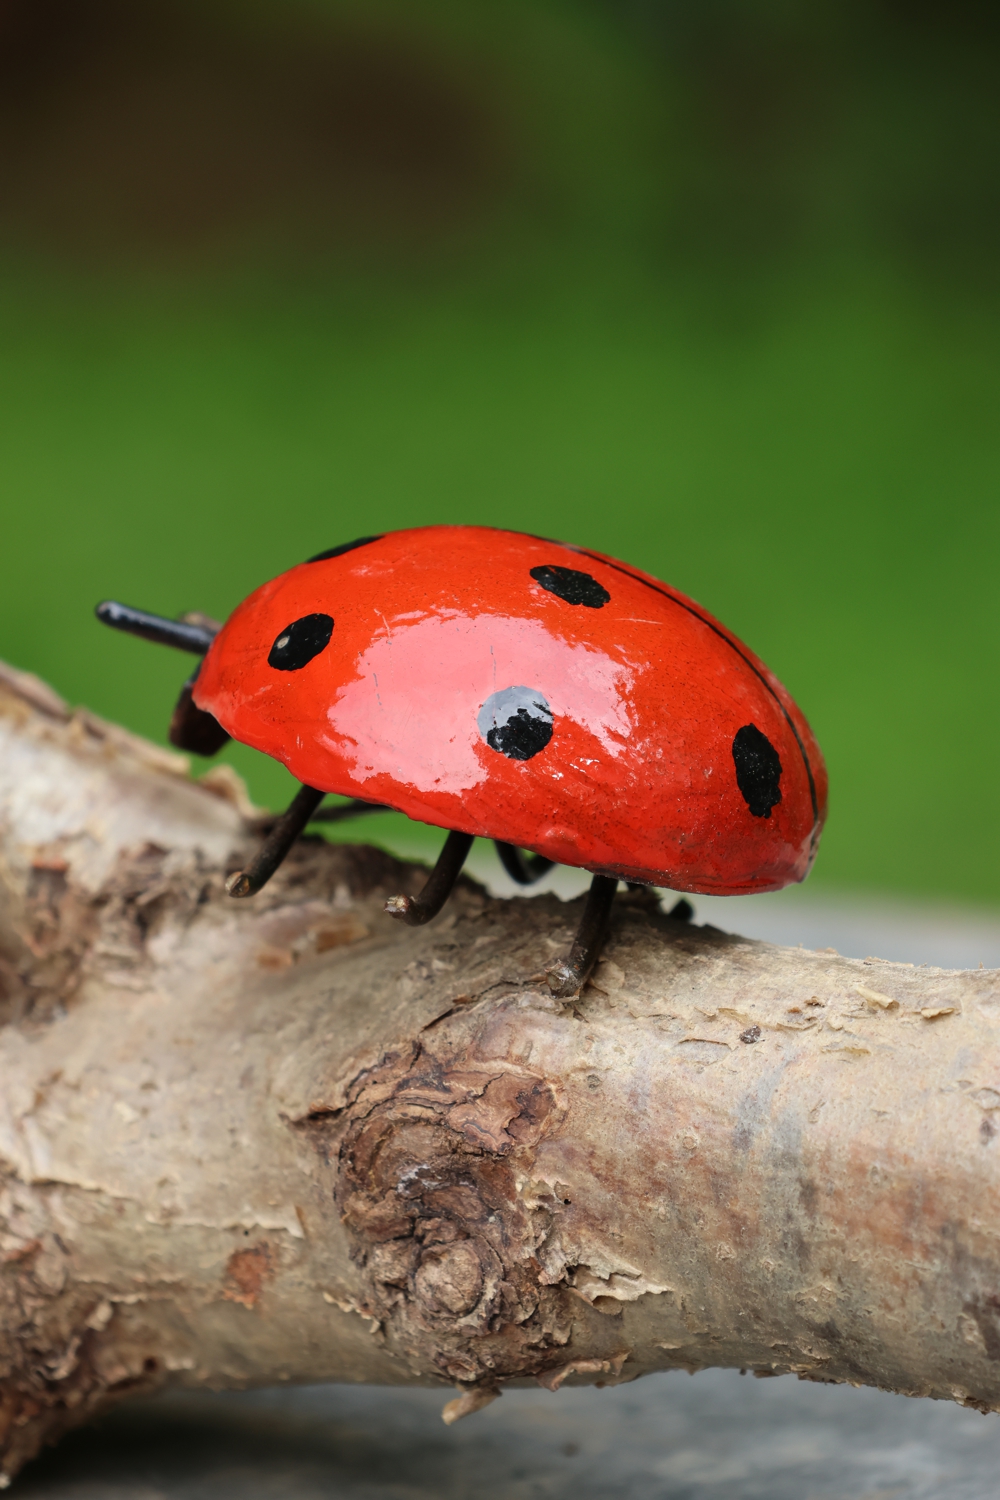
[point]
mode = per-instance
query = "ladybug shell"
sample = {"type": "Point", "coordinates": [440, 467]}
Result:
{"type": "Point", "coordinates": [531, 692]}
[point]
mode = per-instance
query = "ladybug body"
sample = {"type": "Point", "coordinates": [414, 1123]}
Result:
{"type": "Point", "coordinates": [496, 684]}
{"type": "Point", "coordinates": [521, 690]}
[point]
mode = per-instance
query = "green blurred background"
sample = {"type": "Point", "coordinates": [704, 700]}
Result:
{"type": "Point", "coordinates": [710, 287]}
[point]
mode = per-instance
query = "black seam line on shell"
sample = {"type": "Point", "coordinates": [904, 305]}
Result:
{"type": "Point", "coordinates": [659, 589]}
{"type": "Point", "coordinates": [361, 541]}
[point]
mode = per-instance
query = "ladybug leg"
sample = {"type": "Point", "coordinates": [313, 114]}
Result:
{"type": "Point", "coordinates": [525, 869]}
{"type": "Point", "coordinates": [342, 810]}
{"type": "Point", "coordinates": [416, 910]}
{"type": "Point", "coordinates": [277, 844]}
{"type": "Point", "coordinates": [336, 814]}
{"type": "Point", "coordinates": [566, 979]}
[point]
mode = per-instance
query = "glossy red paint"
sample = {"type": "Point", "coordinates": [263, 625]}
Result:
{"type": "Point", "coordinates": [645, 694]}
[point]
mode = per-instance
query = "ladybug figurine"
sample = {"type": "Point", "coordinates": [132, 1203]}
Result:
{"type": "Point", "coordinates": [568, 706]}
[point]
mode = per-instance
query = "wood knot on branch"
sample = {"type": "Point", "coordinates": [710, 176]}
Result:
{"type": "Point", "coordinates": [431, 1164]}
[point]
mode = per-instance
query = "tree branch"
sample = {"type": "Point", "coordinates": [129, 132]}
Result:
{"type": "Point", "coordinates": [289, 1139]}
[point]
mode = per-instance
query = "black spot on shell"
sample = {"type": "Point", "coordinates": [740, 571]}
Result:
{"type": "Point", "coordinates": [521, 737]}
{"type": "Point", "coordinates": [299, 642]}
{"type": "Point", "coordinates": [362, 541]}
{"type": "Point", "coordinates": [758, 770]}
{"type": "Point", "coordinates": [517, 722]}
{"type": "Point", "coordinates": [571, 585]}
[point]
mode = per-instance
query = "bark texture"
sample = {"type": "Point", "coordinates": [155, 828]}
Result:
{"type": "Point", "coordinates": [289, 1139]}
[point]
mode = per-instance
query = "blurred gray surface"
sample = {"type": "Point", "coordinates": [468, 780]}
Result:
{"type": "Point", "coordinates": [923, 932]}
{"type": "Point", "coordinates": [716, 1436]}
{"type": "Point", "coordinates": [669, 1437]}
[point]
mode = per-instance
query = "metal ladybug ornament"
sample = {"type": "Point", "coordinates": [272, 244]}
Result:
{"type": "Point", "coordinates": [496, 684]}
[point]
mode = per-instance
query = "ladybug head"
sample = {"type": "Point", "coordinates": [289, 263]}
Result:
{"type": "Point", "coordinates": [190, 727]}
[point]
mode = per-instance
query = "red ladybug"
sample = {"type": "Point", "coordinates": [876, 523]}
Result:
{"type": "Point", "coordinates": [496, 684]}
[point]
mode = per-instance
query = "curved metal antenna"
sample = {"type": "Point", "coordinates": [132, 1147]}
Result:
{"type": "Point", "coordinates": [185, 635]}
{"type": "Point", "coordinates": [524, 868]}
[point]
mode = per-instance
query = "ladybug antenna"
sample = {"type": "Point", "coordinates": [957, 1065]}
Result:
{"type": "Point", "coordinates": [192, 632]}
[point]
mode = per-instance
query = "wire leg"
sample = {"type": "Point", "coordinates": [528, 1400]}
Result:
{"type": "Point", "coordinates": [277, 844]}
{"type": "Point", "coordinates": [524, 868]}
{"type": "Point", "coordinates": [343, 810]}
{"type": "Point", "coordinates": [566, 979]}
{"type": "Point", "coordinates": [416, 910]}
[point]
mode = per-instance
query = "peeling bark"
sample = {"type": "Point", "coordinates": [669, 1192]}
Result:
{"type": "Point", "coordinates": [289, 1139]}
